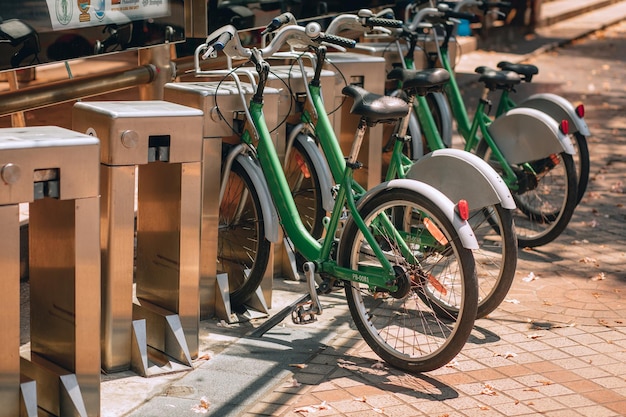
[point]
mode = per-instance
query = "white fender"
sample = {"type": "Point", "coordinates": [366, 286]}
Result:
{"type": "Point", "coordinates": [417, 145]}
{"type": "Point", "coordinates": [270, 216]}
{"type": "Point", "coordinates": [322, 169]}
{"type": "Point", "coordinates": [441, 101]}
{"type": "Point", "coordinates": [462, 175]}
{"type": "Point", "coordinates": [525, 134]}
{"type": "Point", "coordinates": [462, 227]}
{"type": "Point", "coordinates": [559, 109]}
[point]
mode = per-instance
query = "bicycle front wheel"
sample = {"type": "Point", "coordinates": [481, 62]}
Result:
{"type": "Point", "coordinates": [243, 252]}
{"type": "Point", "coordinates": [412, 332]}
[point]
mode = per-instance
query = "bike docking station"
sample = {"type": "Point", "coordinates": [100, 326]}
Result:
{"type": "Point", "coordinates": [55, 171]}
{"type": "Point", "coordinates": [149, 160]}
{"type": "Point", "coordinates": [222, 107]}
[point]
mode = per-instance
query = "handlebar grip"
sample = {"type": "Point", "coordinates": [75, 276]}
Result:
{"type": "Point", "coordinates": [277, 22]}
{"type": "Point", "coordinates": [338, 40]}
{"type": "Point", "coordinates": [222, 40]}
{"type": "Point", "coordinates": [387, 23]}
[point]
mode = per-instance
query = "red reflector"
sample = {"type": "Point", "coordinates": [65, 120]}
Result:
{"type": "Point", "coordinates": [564, 126]}
{"type": "Point", "coordinates": [462, 208]}
{"type": "Point", "coordinates": [555, 159]}
{"type": "Point", "coordinates": [580, 111]}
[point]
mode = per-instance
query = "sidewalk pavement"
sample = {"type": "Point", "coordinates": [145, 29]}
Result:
{"type": "Point", "coordinates": [555, 347]}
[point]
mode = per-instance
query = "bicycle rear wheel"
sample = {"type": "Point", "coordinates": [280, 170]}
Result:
{"type": "Point", "coordinates": [412, 332]}
{"type": "Point", "coordinates": [302, 177]}
{"type": "Point", "coordinates": [243, 252]}
{"type": "Point", "coordinates": [496, 257]}
{"type": "Point", "coordinates": [545, 209]}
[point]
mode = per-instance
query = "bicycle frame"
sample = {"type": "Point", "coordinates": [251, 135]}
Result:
{"type": "Point", "coordinates": [295, 230]}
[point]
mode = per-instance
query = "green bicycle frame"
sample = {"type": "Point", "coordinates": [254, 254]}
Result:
{"type": "Point", "coordinates": [303, 241]}
{"type": "Point", "coordinates": [469, 131]}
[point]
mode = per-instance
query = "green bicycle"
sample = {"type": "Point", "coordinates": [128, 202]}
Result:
{"type": "Point", "coordinates": [400, 237]}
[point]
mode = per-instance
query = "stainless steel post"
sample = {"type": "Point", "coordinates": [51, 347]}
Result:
{"type": "Point", "coordinates": [160, 142]}
{"type": "Point", "coordinates": [56, 171]}
{"type": "Point", "coordinates": [207, 97]}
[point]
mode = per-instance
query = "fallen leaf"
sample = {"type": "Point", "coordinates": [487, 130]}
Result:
{"type": "Point", "coordinates": [506, 355]}
{"type": "Point", "coordinates": [378, 365]}
{"type": "Point", "coordinates": [530, 277]}
{"type": "Point", "coordinates": [600, 277]}
{"type": "Point", "coordinates": [203, 407]}
{"type": "Point", "coordinates": [589, 260]}
{"type": "Point", "coordinates": [293, 383]}
{"type": "Point", "coordinates": [512, 301]}
{"type": "Point", "coordinates": [488, 390]}
{"type": "Point", "coordinates": [204, 357]}
{"type": "Point", "coordinates": [534, 336]}
{"type": "Point", "coordinates": [362, 399]}
{"type": "Point", "coordinates": [312, 408]}
{"type": "Point", "coordinates": [531, 389]}
{"type": "Point", "coordinates": [378, 410]}
{"type": "Point", "coordinates": [298, 365]}
{"type": "Point", "coordinates": [545, 382]}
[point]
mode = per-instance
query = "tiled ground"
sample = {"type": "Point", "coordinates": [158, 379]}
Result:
{"type": "Point", "coordinates": [557, 345]}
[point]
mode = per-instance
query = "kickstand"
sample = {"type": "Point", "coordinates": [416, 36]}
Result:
{"type": "Point", "coordinates": [304, 313]}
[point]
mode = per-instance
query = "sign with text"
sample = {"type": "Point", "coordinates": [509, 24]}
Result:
{"type": "Point", "coordinates": [72, 14]}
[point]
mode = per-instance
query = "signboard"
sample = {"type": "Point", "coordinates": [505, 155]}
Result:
{"type": "Point", "coordinates": [36, 32]}
{"type": "Point", "coordinates": [70, 14]}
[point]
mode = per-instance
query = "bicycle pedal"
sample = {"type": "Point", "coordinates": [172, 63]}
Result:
{"type": "Point", "coordinates": [303, 313]}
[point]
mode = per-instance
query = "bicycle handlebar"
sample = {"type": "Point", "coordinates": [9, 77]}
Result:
{"type": "Point", "coordinates": [279, 21]}
{"type": "Point", "coordinates": [228, 40]}
{"type": "Point", "coordinates": [442, 11]}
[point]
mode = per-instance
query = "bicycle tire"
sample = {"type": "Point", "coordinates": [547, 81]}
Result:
{"type": "Point", "coordinates": [582, 163]}
{"type": "Point", "coordinates": [544, 212]}
{"type": "Point", "coordinates": [243, 251]}
{"type": "Point", "coordinates": [441, 336]}
{"type": "Point", "coordinates": [302, 177]}
{"type": "Point", "coordinates": [496, 258]}
{"type": "Point", "coordinates": [444, 124]}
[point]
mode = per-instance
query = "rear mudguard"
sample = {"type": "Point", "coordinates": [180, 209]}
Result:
{"type": "Point", "coordinates": [270, 216]}
{"type": "Point", "coordinates": [462, 227]}
{"type": "Point", "coordinates": [441, 101]}
{"type": "Point", "coordinates": [525, 134]}
{"type": "Point", "coordinates": [321, 168]}
{"type": "Point", "coordinates": [462, 175]}
{"type": "Point", "coordinates": [417, 144]}
{"type": "Point", "coordinates": [559, 109]}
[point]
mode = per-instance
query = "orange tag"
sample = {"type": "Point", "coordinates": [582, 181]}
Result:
{"type": "Point", "coordinates": [438, 285]}
{"type": "Point", "coordinates": [435, 232]}
{"type": "Point", "coordinates": [303, 166]}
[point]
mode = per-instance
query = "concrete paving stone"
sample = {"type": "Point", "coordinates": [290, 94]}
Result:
{"type": "Point", "coordinates": [574, 400]}
{"type": "Point", "coordinates": [513, 408]}
{"type": "Point", "coordinates": [401, 410]}
{"type": "Point", "coordinates": [267, 409]}
{"type": "Point", "coordinates": [619, 407]}
{"type": "Point", "coordinates": [349, 405]}
{"type": "Point", "coordinates": [602, 396]}
{"type": "Point", "coordinates": [597, 411]}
